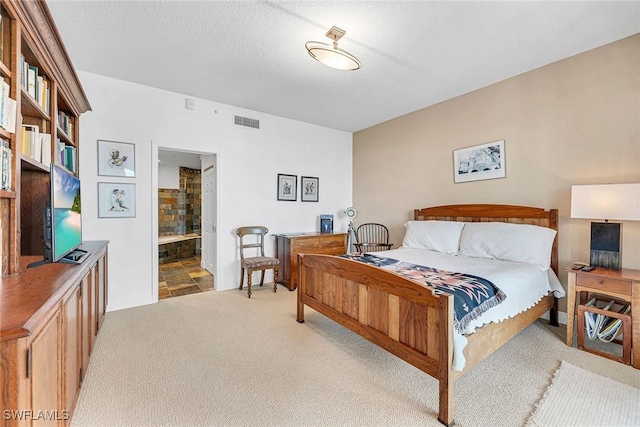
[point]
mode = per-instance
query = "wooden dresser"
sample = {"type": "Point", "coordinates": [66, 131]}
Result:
{"type": "Point", "coordinates": [49, 318]}
{"type": "Point", "coordinates": [289, 245]}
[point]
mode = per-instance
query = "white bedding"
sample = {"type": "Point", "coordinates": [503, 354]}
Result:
{"type": "Point", "coordinates": [524, 284]}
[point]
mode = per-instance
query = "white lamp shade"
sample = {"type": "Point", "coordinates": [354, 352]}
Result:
{"type": "Point", "coordinates": [607, 201]}
{"type": "Point", "coordinates": [332, 56]}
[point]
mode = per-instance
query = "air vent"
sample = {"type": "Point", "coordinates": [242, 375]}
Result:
{"type": "Point", "coordinates": [246, 121]}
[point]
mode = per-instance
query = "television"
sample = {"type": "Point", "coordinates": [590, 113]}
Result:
{"type": "Point", "coordinates": [63, 220]}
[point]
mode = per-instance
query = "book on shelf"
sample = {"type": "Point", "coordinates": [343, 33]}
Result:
{"type": "Point", "coordinates": [44, 94]}
{"type": "Point", "coordinates": [23, 71]}
{"type": "Point", "coordinates": [66, 155]}
{"type": "Point", "coordinates": [5, 165]}
{"type": "Point", "coordinates": [36, 84]}
{"type": "Point", "coordinates": [4, 96]}
{"type": "Point", "coordinates": [36, 147]}
{"type": "Point", "coordinates": [7, 108]}
{"type": "Point", "coordinates": [38, 88]}
{"type": "Point", "coordinates": [65, 123]}
{"type": "Point", "coordinates": [30, 142]}
{"type": "Point", "coordinates": [70, 158]}
{"type": "Point", "coordinates": [45, 143]}
{"type": "Point", "coordinates": [32, 75]}
{"type": "Point", "coordinates": [9, 115]}
{"type": "Point", "coordinates": [60, 153]}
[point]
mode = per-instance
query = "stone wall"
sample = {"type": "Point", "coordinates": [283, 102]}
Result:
{"type": "Point", "coordinates": [179, 210]}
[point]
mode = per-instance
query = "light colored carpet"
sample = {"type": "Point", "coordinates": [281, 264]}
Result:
{"type": "Point", "coordinates": [221, 359]}
{"type": "Point", "coordinates": [593, 400]}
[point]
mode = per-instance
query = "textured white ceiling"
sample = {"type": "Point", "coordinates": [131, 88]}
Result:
{"type": "Point", "coordinates": [251, 54]}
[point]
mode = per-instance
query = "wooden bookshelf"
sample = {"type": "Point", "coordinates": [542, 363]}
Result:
{"type": "Point", "coordinates": [53, 100]}
{"type": "Point", "coordinates": [49, 314]}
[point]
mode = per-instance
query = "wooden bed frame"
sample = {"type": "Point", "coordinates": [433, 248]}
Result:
{"type": "Point", "coordinates": [407, 319]}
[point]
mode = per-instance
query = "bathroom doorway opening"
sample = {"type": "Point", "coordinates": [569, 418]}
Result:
{"type": "Point", "coordinates": [183, 205]}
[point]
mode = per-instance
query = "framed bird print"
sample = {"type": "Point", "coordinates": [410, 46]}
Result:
{"type": "Point", "coordinates": [116, 200]}
{"type": "Point", "coordinates": [116, 159]}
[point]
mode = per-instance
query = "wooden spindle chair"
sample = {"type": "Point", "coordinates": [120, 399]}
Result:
{"type": "Point", "coordinates": [372, 237]}
{"type": "Point", "coordinates": [255, 263]}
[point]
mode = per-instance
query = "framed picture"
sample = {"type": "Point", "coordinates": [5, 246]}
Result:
{"type": "Point", "coordinates": [287, 187]}
{"type": "Point", "coordinates": [308, 189]}
{"type": "Point", "coordinates": [486, 161]}
{"type": "Point", "coordinates": [116, 159]}
{"type": "Point", "coordinates": [116, 200]}
{"type": "Point", "coordinates": [326, 223]}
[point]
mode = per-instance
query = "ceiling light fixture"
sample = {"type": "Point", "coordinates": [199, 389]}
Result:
{"type": "Point", "coordinates": [332, 56]}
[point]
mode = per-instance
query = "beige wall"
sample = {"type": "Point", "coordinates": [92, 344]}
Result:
{"type": "Point", "coordinates": [576, 121]}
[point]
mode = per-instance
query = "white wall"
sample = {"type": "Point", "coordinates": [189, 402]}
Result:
{"type": "Point", "coordinates": [168, 176]}
{"type": "Point", "coordinates": [248, 163]}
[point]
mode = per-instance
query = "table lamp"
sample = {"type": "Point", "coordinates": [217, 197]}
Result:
{"type": "Point", "coordinates": [619, 202]}
{"type": "Point", "coordinates": [351, 213]}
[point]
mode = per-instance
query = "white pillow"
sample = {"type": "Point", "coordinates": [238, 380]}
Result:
{"type": "Point", "coordinates": [509, 242]}
{"type": "Point", "coordinates": [441, 236]}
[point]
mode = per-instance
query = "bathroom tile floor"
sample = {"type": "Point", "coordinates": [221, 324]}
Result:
{"type": "Point", "coordinates": [183, 277]}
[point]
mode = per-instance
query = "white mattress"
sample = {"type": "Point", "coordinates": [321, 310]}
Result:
{"type": "Point", "coordinates": [523, 284]}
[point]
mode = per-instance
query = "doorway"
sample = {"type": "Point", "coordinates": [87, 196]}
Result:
{"type": "Point", "coordinates": [186, 242]}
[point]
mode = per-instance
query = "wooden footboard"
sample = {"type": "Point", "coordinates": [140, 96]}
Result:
{"type": "Point", "coordinates": [399, 315]}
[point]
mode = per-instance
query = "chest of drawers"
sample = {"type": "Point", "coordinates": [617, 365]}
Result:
{"type": "Point", "coordinates": [289, 245]}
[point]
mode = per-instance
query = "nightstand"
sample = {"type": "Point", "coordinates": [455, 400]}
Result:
{"type": "Point", "coordinates": [619, 284]}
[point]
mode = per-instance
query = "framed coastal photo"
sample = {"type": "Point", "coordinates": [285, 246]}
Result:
{"type": "Point", "coordinates": [287, 187]}
{"type": "Point", "coordinates": [308, 189]}
{"type": "Point", "coordinates": [116, 200]}
{"type": "Point", "coordinates": [116, 159]}
{"type": "Point", "coordinates": [486, 161]}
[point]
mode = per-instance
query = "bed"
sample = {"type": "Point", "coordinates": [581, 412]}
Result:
{"type": "Point", "coordinates": [408, 319]}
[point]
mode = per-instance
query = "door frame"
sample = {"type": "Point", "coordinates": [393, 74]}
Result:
{"type": "Point", "coordinates": [155, 147]}
{"type": "Point", "coordinates": [203, 262]}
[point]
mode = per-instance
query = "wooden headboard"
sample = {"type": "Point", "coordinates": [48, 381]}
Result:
{"type": "Point", "coordinates": [495, 213]}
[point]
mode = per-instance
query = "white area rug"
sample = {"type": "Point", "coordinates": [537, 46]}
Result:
{"type": "Point", "coordinates": [577, 397]}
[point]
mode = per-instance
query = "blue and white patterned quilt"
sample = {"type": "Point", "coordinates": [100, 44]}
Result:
{"type": "Point", "coordinates": [473, 295]}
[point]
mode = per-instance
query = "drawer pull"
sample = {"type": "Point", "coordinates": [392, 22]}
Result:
{"type": "Point", "coordinates": [601, 282]}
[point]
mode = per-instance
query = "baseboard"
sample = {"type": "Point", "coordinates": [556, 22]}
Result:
{"type": "Point", "coordinates": [562, 317]}
{"type": "Point", "coordinates": [130, 303]}
{"type": "Point", "coordinates": [136, 302]}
